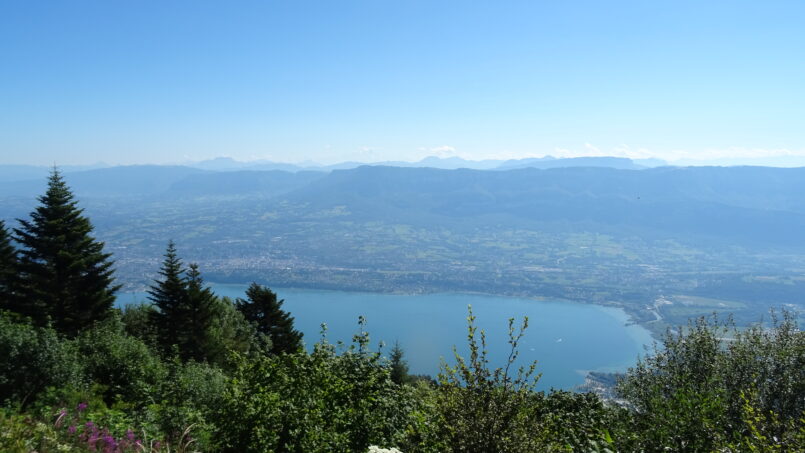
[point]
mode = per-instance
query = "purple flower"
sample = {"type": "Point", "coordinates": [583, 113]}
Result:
{"type": "Point", "coordinates": [81, 406]}
{"type": "Point", "coordinates": [90, 425]}
{"type": "Point", "coordinates": [91, 441]}
{"type": "Point", "coordinates": [109, 444]}
{"type": "Point", "coordinates": [130, 435]}
{"type": "Point", "coordinates": [71, 429]}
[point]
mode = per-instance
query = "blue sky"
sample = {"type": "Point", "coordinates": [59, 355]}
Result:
{"type": "Point", "coordinates": [160, 82]}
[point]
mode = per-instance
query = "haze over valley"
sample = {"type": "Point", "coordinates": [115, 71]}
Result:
{"type": "Point", "coordinates": [664, 243]}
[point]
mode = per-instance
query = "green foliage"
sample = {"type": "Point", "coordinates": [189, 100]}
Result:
{"type": "Point", "coordinates": [138, 322]}
{"type": "Point", "coordinates": [199, 316]}
{"type": "Point", "coordinates": [80, 431]}
{"type": "Point", "coordinates": [477, 409]}
{"type": "Point", "coordinates": [770, 362]}
{"type": "Point", "coordinates": [484, 409]}
{"type": "Point", "coordinates": [169, 296]}
{"type": "Point", "coordinates": [187, 315]}
{"type": "Point", "coordinates": [397, 364]}
{"type": "Point", "coordinates": [126, 368]}
{"type": "Point", "coordinates": [8, 268]}
{"type": "Point", "coordinates": [33, 359]}
{"type": "Point", "coordinates": [691, 394]}
{"type": "Point", "coordinates": [191, 395]}
{"type": "Point", "coordinates": [229, 332]}
{"type": "Point", "coordinates": [569, 421]}
{"type": "Point", "coordinates": [22, 434]}
{"type": "Point", "coordinates": [64, 274]}
{"type": "Point", "coordinates": [262, 309]}
{"type": "Point", "coordinates": [322, 401]}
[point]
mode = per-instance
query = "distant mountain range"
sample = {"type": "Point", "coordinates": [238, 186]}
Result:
{"type": "Point", "coordinates": [138, 180]}
{"type": "Point", "coordinates": [746, 204]}
{"type": "Point", "coordinates": [172, 173]}
{"type": "Point", "coordinates": [757, 204]}
{"type": "Point", "coordinates": [447, 163]}
{"type": "Point", "coordinates": [10, 173]}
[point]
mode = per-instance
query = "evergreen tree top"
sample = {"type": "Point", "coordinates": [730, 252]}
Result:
{"type": "Point", "coordinates": [171, 289]}
{"type": "Point", "coordinates": [262, 308]}
{"type": "Point", "coordinates": [64, 273]}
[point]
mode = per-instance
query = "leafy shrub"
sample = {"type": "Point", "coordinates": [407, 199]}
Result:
{"type": "Point", "coordinates": [484, 409]}
{"type": "Point", "coordinates": [23, 434]}
{"type": "Point", "coordinates": [322, 401]}
{"type": "Point", "coordinates": [231, 332]}
{"type": "Point", "coordinates": [569, 421]}
{"type": "Point", "coordinates": [190, 395]}
{"type": "Point", "coordinates": [136, 320]}
{"type": "Point", "coordinates": [123, 364]}
{"type": "Point", "coordinates": [32, 359]}
{"type": "Point", "coordinates": [692, 393]}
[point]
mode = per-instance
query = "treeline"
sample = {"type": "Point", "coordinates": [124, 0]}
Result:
{"type": "Point", "coordinates": [192, 371]}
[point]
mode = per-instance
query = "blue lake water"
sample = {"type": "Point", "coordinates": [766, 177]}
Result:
{"type": "Point", "coordinates": [567, 339]}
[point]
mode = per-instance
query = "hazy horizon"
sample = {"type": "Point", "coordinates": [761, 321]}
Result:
{"type": "Point", "coordinates": [782, 161]}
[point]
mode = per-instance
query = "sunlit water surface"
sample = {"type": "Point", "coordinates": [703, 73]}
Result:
{"type": "Point", "coordinates": [567, 339]}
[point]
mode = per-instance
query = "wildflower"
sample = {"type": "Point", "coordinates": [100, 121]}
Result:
{"type": "Point", "coordinates": [130, 435]}
{"type": "Point", "coordinates": [91, 441]}
{"type": "Point", "coordinates": [109, 444]}
{"type": "Point", "coordinates": [71, 429]}
{"type": "Point", "coordinates": [81, 407]}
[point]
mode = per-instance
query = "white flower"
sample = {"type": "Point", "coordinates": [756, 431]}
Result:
{"type": "Point", "coordinates": [376, 449]}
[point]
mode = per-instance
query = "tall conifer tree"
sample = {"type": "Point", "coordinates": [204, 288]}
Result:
{"type": "Point", "coordinates": [64, 273]}
{"type": "Point", "coordinates": [262, 308]}
{"type": "Point", "coordinates": [169, 295]}
{"type": "Point", "coordinates": [8, 269]}
{"type": "Point", "coordinates": [398, 365]}
{"type": "Point", "coordinates": [201, 305]}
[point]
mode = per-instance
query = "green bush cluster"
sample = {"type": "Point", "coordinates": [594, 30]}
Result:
{"type": "Point", "coordinates": [33, 359]}
{"type": "Point", "coordinates": [697, 392]}
{"type": "Point", "coordinates": [715, 385]}
{"type": "Point", "coordinates": [319, 401]}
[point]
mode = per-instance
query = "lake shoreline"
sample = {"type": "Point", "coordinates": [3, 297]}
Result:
{"type": "Point", "coordinates": [632, 320]}
{"type": "Point", "coordinates": [564, 336]}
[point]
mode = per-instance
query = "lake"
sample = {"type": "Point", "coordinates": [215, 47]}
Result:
{"type": "Point", "coordinates": [567, 339]}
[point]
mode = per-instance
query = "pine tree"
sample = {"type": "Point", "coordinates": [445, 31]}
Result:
{"type": "Point", "coordinates": [64, 274]}
{"type": "Point", "coordinates": [169, 295]}
{"type": "Point", "coordinates": [8, 269]}
{"type": "Point", "coordinates": [201, 307]}
{"type": "Point", "coordinates": [398, 365]}
{"type": "Point", "coordinates": [262, 308]}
